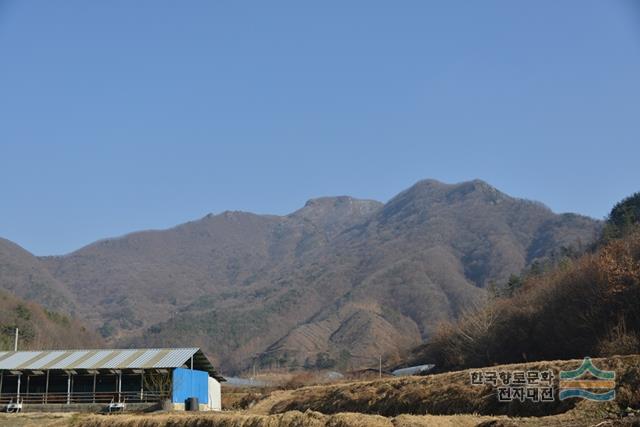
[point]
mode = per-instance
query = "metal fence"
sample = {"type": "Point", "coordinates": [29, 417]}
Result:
{"type": "Point", "coordinates": [87, 397]}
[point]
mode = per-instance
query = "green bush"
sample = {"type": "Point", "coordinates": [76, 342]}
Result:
{"type": "Point", "coordinates": [623, 219]}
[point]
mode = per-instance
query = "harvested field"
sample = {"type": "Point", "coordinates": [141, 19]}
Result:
{"type": "Point", "coordinates": [289, 419]}
{"type": "Point", "coordinates": [452, 393]}
{"type": "Point", "coordinates": [299, 419]}
{"type": "Point", "coordinates": [238, 398]}
{"type": "Point", "coordinates": [437, 400]}
{"type": "Point", "coordinates": [37, 420]}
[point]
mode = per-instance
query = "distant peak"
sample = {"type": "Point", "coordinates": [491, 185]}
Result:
{"type": "Point", "coordinates": [430, 183]}
{"type": "Point", "coordinates": [330, 201]}
{"type": "Point", "coordinates": [340, 202]}
{"type": "Point", "coordinates": [434, 183]}
{"type": "Point", "coordinates": [479, 185]}
{"type": "Point", "coordinates": [332, 208]}
{"type": "Point", "coordinates": [228, 215]}
{"type": "Point", "coordinates": [427, 192]}
{"type": "Point", "coordinates": [435, 186]}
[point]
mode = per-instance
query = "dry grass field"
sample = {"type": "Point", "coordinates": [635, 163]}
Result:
{"type": "Point", "coordinates": [450, 393]}
{"type": "Point", "coordinates": [306, 419]}
{"type": "Point", "coordinates": [37, 420]}
{"type": "Point", "coordinates": [436, 400]}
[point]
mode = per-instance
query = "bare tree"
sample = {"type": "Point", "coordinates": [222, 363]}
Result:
{"type": "Point", "coordinates": [158, 382]}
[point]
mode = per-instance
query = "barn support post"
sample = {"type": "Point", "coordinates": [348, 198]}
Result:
{"type": "Point", "coordinates": [119, 386]}
{"type": "Point", "coordinates": [1, 378]}
{"type": "Point", "coordinates": [46, 388]}
{"type": "Point", "coordinates": [95, 376]}
{"type": "Point", "coordinates": [18, 393]}
{"type": "Point", "coordinates": [68, 388]}
{"type": "Point", "coordinates": [142, 386]}
{"type": "Point", "coordinates": [28, 381]}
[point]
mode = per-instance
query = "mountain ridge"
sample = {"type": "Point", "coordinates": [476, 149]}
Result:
{"type": "Point", "coordinates": [335, 280]}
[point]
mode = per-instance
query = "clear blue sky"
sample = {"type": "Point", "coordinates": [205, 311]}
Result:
{"type": "Point", "coordinates": [117, 116]}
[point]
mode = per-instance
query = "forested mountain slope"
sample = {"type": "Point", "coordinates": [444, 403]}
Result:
{"type": "Point", "coordinates": [333, 283]}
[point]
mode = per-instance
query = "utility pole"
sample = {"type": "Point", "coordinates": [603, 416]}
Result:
{"type": "Point", "coordinates": [15, 343]}
{"type": "Point", "coordinates": [380, 366]}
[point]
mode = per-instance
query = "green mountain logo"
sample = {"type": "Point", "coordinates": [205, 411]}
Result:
{"type": "Point", "coordinates": [582, 381]}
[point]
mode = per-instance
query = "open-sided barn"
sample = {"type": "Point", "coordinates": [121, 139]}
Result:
{"type": "Point", "coordinates": [87, 378]}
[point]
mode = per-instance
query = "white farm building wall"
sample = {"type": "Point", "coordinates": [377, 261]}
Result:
{"type": "Point", "coordinates": [215, 395]}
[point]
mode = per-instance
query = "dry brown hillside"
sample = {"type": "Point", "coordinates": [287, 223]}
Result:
{"type": "Point", "coordinates": [39, 327]}
{"type": "Point", "coordinates": [586, 306]}
{"type": "Point", "coordinates": [24, 275]}
{"type": "Point", "coordinates": [329, 285]}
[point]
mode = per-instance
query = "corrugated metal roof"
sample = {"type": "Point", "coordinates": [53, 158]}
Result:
{"type": "Point", "coordinates": [147, 358]}
{"type": "Point", "coordinates": [96, 358]}
{"type": "Point", "coordinates": [67, 362]}
{"type": "Point", "coordinates": [173, 358]}
{"type": "Point", "coordinates": [15, 359]}
{"type": "Point", "coordinates": [143, 359]}
{"type": "Point", "coordinates": [413, 370]}
{"type": "Point", "coordinates": [117, 359]}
